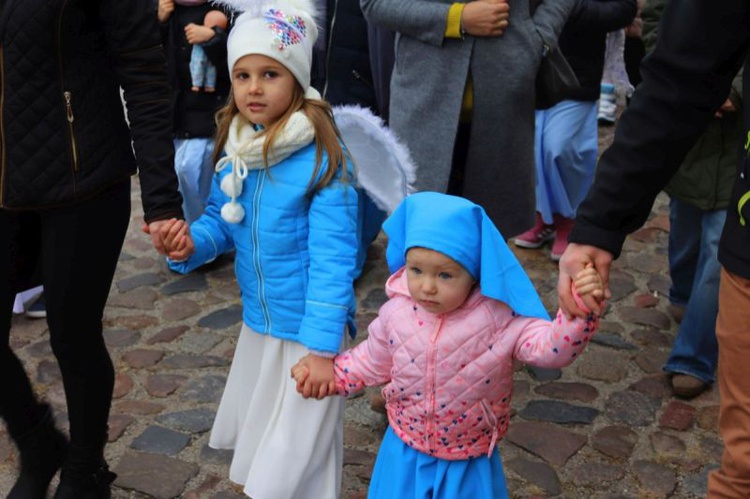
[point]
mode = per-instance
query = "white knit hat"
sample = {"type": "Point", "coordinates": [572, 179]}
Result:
{"type": "Point", "coordinates": [283, 30]}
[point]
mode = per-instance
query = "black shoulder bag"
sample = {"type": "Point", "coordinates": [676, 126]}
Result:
{"type": "Point", "coordinates": [555, 76]}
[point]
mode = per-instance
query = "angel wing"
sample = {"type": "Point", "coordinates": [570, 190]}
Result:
{"type": "Point", "coordinates": [384, 167]}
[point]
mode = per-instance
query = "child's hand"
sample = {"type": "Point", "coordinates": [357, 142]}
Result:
{"type": "Point", "coordinates": [314, 376]}
{"type": "Point", "coordinates": [589, 282]}
{"type": "Point", "coordinates": [300, 372]}
{"type": "Point", "coordinates": [175, 235]}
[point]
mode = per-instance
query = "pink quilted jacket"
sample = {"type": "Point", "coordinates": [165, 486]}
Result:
{"type": "Point", "coordinates": [450, 376]}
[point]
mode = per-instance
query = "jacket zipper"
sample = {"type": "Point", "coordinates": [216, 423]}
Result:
{"type": "Point", "coordinates": [431, 379]}
{"type": "Point", "coordinates": [358, 76]}
{"type": "Point", "coordinates": [67, 95]}
{"type": "Point", "coordinates": [69, 114]}
{"type": "Point", "coordinates": [256, 251]}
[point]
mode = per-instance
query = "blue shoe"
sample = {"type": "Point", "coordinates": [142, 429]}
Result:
{"type": "Point", "coordinates": [37, 308]}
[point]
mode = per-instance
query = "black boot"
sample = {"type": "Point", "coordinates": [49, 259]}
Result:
{"type": "Point", "coordinates": [85, 475]}
{"type": "Point", "coordinates": [42, 449]}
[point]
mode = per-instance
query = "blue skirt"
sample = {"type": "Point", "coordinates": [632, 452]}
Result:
{"type": "Point", "coordinates": [565, 148]}
{"type": "Point", "coordinates": [404, 473]}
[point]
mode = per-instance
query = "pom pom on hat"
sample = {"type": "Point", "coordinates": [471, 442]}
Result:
{"type": "Point", "coordinates": [283, 30]}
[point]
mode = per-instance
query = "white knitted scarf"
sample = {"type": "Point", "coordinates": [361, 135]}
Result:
{"type": "Point", "coordinates": [244, 152]}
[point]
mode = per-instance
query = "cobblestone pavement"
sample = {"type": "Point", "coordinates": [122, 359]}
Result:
{"type": "Point", "coordinates": [605, 427]}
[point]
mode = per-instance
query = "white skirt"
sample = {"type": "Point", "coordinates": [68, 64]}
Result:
{"type": "Point", "coordinates": [286, 447]}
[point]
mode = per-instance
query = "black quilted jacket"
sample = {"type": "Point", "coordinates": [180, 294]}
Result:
{"type": "Point", "coordinates": [63, 134]}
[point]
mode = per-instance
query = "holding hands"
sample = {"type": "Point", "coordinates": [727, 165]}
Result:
{"type": "Point", "coordinates": [588, 282]}
{"type": "Point", "coordinates": [485, 17]}
{"type": "Point", "coordinates": [171, 237]}
{"type": "Point", "coordinates": [314, 376]}
{"type": "Point", "coordinates": [178, 244]}
{"type": "Point", "coordinates": [576, 259]}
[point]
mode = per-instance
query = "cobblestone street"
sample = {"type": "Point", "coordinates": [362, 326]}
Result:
{"type": "Point", "coordinates": [605, 427]}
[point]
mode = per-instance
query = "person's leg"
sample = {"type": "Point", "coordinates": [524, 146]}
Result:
{"type": "Point", "coordinates": [42, 447]}
{"type": "Point", "coordinates": [210, 84]}
{"type": "Point", "coordinates": [197, 67]}
{"type": "Point", "coordinates": [543, 231]}
{"type": "Point", "coordinates": [567, 161]}
{"type": "Point", "coordinates": [579, 159]}
{"type": "Point", "coordinates": [695, 350]}
{"type": "Point", "coordinates": [732, 479]}
{"type": "Point", "coordinates": [80, 248]}
{"type": "Point", "coordinates": [684, 246]}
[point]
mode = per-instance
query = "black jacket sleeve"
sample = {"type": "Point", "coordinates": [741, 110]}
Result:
{"type": "Point", "coordinates": [605, 15]}
{"type": "Point", "coordinates": [134, 44]}
{"type": "Point", "coordinates": [700, 48]}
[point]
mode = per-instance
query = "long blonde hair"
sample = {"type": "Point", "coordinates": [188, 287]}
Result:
{"type": "Point", "coordinates": [327, 136]}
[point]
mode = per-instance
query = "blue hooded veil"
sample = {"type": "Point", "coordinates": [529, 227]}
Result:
{"type": "Point", "coordinates": [461, 230]}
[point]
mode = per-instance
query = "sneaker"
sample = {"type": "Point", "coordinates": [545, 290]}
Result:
{"type": "Point", "coordinates": [37, 308]}
{"type": "Point", "coordinates": [607, 105]}
{"type": "Point", "coordinates": [563, 227]}
{"type": "Point", "coordinates": [537, 236]}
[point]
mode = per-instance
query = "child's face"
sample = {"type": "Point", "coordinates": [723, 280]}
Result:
{"type": "Point", "coordinates": [436, 282]}
{"type": "Point", "coordinates": [263, 89]}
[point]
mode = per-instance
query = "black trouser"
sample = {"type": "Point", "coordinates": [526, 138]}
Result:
{"type": "Point", "coordinates": [78, 247]}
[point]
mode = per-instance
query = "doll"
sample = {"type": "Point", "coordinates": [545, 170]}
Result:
{"type": "Point", "coordinates": [202, 71]}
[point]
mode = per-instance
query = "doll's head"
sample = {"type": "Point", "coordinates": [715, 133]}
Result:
{"type": "Point", "coordinates": [460, 231]}
{"type": "Point", "coordinates": [215, 19]}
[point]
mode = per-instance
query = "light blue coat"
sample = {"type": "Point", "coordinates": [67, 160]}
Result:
{"type": "Point", "coordinates": [295, 253]}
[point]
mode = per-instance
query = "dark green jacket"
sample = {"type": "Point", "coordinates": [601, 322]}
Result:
{"type": "Point", "coordinates": [705, 178]}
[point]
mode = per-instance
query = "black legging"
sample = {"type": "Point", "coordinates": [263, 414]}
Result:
{"type": "Point", "coordinates": [78, 247]}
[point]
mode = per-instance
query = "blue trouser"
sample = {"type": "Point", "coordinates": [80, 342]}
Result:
{"type": "Point", "coordinates": [194, 165]}
{"type": "Point", "coordinates": [694, 267]}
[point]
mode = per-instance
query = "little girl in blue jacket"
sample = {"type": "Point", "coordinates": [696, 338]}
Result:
{"type": "Point", "coordinates": [283, 198]}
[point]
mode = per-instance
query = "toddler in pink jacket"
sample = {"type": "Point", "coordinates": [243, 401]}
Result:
{"type": "Point", "coordinates": [460, 310]}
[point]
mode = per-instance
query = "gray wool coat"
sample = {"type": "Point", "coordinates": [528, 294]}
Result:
{"type": "Point", "coordinates": [427, 86]}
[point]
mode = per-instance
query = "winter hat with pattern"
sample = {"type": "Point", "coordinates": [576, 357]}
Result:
{"type": "Point", "coordinates": [283, 30]}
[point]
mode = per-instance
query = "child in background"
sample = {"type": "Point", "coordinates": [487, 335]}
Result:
{"type": "Point", "coordinates": [461, 309]}
{"type": "Point", "coordinates": [202, 71]}
{"type": "Point", "coordinates": [284, 199]}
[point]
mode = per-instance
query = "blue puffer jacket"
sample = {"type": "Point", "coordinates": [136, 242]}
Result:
{"type": "Point", "coordinates": [295, 254]}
